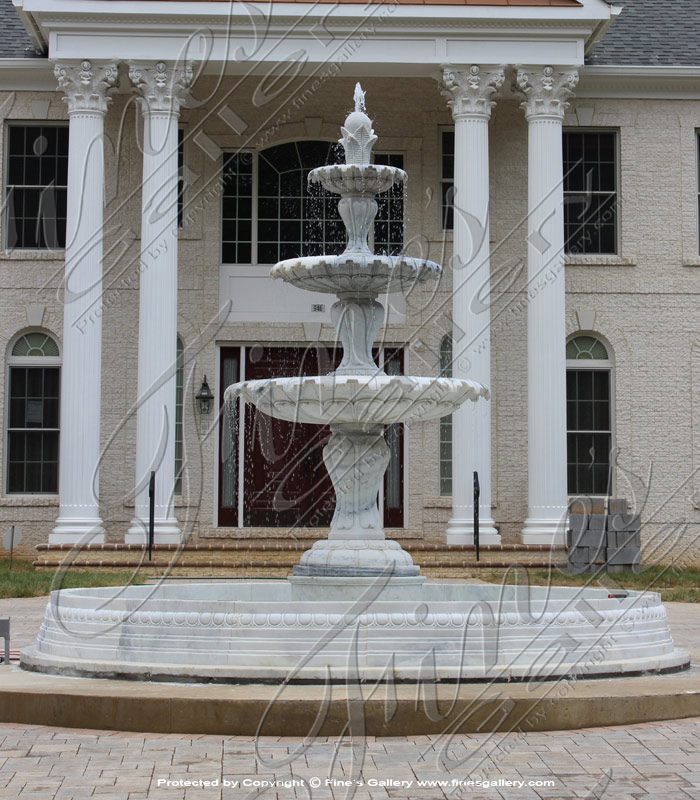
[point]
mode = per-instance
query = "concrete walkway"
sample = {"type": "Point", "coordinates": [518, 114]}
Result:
{"type": "Point", "coordinates": [654, 760]}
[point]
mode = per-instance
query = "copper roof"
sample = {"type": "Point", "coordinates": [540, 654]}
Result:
{"type": "Point", "coordinates": [566, 3]}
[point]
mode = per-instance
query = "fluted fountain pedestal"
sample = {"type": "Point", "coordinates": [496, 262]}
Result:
{"type": "Point", "coordinates": [356, 458]}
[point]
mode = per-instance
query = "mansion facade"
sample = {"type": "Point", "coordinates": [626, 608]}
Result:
{"type": "Point", "coordinates": [154, 167]}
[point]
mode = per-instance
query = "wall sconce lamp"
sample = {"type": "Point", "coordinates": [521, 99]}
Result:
{"type": "Point", "coordinates": [204, 397]}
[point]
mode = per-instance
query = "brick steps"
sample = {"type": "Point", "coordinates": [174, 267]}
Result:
{"type": "Point", "coordinates": [256, 559]}
{"type": "Point", "coordinates": [277, 564]}
{"type": "Point", "coordinates": [410, 545]}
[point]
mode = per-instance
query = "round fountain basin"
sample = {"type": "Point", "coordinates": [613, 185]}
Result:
{"type": "Point", "coordinates": [269, 630]}
{"type": "Point", "coordinates": [357, 178]}
{"type": "Point", "coordinates": [355, 273]}
{"type": "Point", "coordinates": [357, 400]}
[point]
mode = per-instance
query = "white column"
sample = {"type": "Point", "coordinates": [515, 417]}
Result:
{"type": "Point", "coordinates": [163, 90]}
{"type": "Point", "coordinates": [546, 93]}
{"type": "Point", "coordinates": [471, 94]}
{"type": "Point", "coordinates": [85, 86]}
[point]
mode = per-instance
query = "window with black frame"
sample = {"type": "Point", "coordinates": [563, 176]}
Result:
{"type": "Point", "coordinates": [180, 177]}
{"type": "Point", "coordinates": [35, 185]}
{"type": "Point", "coordinates": [698, 169]}
{"type": "Point", "coordinates": [588, 416]}
{"type": "Point", "coordinates": [590, 192]}
{"type": "Point", "coordinates": [389, 222]}
{"type": "Point", "coordinates": [270, 212]}
{"type": "Point", "coordinates": [33, 418]}
{"type": "Point", "coordinates": [447, 179]}
{"type": "Point", "coordinates": [445, 458]}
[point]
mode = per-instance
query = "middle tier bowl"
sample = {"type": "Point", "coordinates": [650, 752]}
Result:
{"type": "Point", "coordinates": [356, 273]}
{"type": "Point", "coordinates": [357, 400]}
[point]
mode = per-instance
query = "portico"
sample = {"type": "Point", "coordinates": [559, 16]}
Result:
{"type": "Point", "coordinates": [475, 55]}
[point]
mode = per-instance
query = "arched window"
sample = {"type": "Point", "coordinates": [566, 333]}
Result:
{"type": "Point", "coordinates": [179, 407]}
{"type": "Point", "coordinates": [33, 415]}
{"type": "Point", "coordinates": [270, 213]}
{"type": "Point", "coordinates": [446, 423]}
{"type": "Point", "coordinates": [588, 416]}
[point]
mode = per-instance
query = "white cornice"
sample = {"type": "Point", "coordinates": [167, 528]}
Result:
{"type": "Point", "coordinates": [641, 81]}
{"type": "Point", "coordinates": [592, 11]}
{"type": "Point", "coordinates": [26, 74]}
{"type": "Point", "coordinates": [641, 71]}
{"type": "Point", "coordinates": [405, 38]}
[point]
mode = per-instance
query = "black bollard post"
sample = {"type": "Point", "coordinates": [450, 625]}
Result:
{"type": "Point", "coordinates": [151, 513]}
{"type": "Point", "coordinates": [477, 494]}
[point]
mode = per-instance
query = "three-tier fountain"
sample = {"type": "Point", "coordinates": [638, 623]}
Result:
{"type": "Point", "coordinates": [358, 399]}
{"type": "Point", "coordinates": [356, 607]}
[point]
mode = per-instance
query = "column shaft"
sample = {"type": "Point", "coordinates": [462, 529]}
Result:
{"type": "Point", "coordinates": [546, 93]}
{"type": "Point", "coordinates": [81, 378]}
{"type": "Point", "coordinates": [162, 89]}
{"type": "Point", "coordinates": [546, 335]}
{"type": "Point", "coordinates": [155, 420]}
{"type": "Point", "coordinates": [470, 94]}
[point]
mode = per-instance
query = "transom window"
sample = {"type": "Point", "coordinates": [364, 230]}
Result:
{"type": "Point", "coordinates": [33, 415]}
{"type": "Point", "coordinates": [588, 416]}
{"type": "Point", "coordinates": [270, 213]}
{"type": "Point", "coordinates": [590, 192]}
{"type": "Point", "coordinates": [36, 180]}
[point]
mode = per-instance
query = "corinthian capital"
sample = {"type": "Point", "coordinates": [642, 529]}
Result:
{"type": "Point", "coordinates": [86, 85]}
{"type": "Point", "coordinates": [162, 88]}
{"type": "Point", "coordinates": [471, 92]}
{"type": "Point", "coordinates": [545, 91]}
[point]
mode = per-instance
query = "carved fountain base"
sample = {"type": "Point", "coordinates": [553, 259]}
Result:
{"type": "Point", "coordinates": [356, 457]}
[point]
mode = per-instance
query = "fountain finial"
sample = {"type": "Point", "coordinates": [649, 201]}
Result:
{"type": "Point", "coordinates": [358, 136]}
{"type": "Point", "coordinates": [359, 98]}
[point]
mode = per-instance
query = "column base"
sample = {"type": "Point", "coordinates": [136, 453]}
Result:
{"type": "Point", "coordinates": [165, 531]}
{"type": "Point", "coordinates": [550, 532]}
{"type": "Point", "coordinates": [461, 531]}
{"type": "Point", "coordinates": [77, 531]}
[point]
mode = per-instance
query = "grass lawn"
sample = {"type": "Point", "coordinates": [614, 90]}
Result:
{"type": "Point", "coordinates": [672, 583]}
{"type": "Point", "coordinates": [26, 581]}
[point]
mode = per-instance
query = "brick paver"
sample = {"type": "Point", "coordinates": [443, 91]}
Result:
{"type": "Point", "coordinates": [607, 763]}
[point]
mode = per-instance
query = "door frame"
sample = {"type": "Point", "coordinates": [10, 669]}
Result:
{"type": "Point", "coordinates": [243, 346]}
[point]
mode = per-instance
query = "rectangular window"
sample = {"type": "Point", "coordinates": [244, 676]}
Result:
{"type": "Point", "coordinates": [271, 213]}
{"type": "Point", "coordinates": [237, 209]}
{"type": "Point", "coordinates": [590, 192]}
{"type": "Point", "coordinates": [32, 435]}
{"type": "Point", "coordinates": [36, 179]}
{"type": "Point", "coordinates": [447, 180]}
{"type": "Point", "coordinates": [180, 176]}
{"type": "Point", "coordinates": [446, 357]}
{"type": "Point", "coordinates": [588, 422]}
{"type": "Point", "coordinates": [389, 224]}
{"type": "Point", "coordinates": [698, 170]}
{"type": "Point", "coordinates": [179, 408]}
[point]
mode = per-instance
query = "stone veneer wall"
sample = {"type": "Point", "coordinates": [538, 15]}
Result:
{"type": "Point", "coordinates": [644, 302]}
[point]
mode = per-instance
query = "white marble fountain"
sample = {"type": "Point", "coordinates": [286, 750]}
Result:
{"type": "Point", "coordinates": [356, 606]}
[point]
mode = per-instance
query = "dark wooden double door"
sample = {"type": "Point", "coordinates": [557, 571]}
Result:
{"type": "Point", "coordinates": [284, 482]}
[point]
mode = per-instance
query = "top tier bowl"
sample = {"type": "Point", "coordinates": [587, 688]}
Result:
{"type": "Point", "coordinates": [349, 179]}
